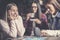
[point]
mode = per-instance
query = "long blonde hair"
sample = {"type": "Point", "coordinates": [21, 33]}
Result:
{"type": "Point", "coordinates": [8, 7]}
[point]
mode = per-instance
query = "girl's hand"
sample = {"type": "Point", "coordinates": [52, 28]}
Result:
{"type": "Point", "coordinates": [37, 21]}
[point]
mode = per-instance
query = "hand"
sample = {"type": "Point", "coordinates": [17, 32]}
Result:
{"type": "Point", "coordinates": [28, 16]}
{"type": "Point", "coordinates": [10, 17]}
{"type": "Point", "coordinates": [44, 33]}
{"type": "Point", "coordinates": [14, 17]}
{"type": "Point", "coordinates": [37, 21]}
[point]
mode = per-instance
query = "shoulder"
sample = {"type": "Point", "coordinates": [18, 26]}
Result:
{"type": "Point", "coordinates": [43, 15]}
{"type": "Point", "coordinates": [3, 25]}
{"type": "Point", "coordinates": [3, 22]}
{"type": "Point", "coordinates": [19, 17]}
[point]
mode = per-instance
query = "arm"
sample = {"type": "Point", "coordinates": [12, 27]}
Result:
{"type": "Point", "coordinates": [44, 18]}
{"type": "Point", "coordinates": [20, 27]}
{"type": "Point", "coordinates": [28, 16]}
{"type": "Point", "coordinates": [11, 31]}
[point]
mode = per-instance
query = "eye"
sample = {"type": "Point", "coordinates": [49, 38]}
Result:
{"type": "Point", "coordinates": [34, 6]}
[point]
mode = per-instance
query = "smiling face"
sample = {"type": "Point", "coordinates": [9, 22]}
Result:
{"type": "Point", "coordinates": [13, 11]}
{"type": "Point", "coordinates": [34, 7]}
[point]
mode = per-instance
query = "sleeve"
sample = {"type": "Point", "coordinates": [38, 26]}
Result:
{"type": "Point", "coordinates": [44, 18]}
{"type": "Point", "coordinates": [20, 26]}
{"type": "Point", "coordinates": [11, 31]}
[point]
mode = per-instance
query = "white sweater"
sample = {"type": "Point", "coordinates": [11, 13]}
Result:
{"type": "Point", "coordinates": [16, 27]}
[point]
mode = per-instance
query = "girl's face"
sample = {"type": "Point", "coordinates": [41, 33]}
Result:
{"type": "Point", "coordinates": [13, 11]}
{"type": "Point", "coordinates": [34, 7]}
{"type": "Point", "coordinates": [52, 8]}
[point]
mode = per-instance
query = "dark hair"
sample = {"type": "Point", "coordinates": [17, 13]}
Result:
{"type": "Point", "coordinates": [43, 9]}
{"type": "Point", "coordinates": [46, 1]}
{"type": "Point", "coordinates": [38, 9]}
{"type": "Point", "coordinates": [36, 1]}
